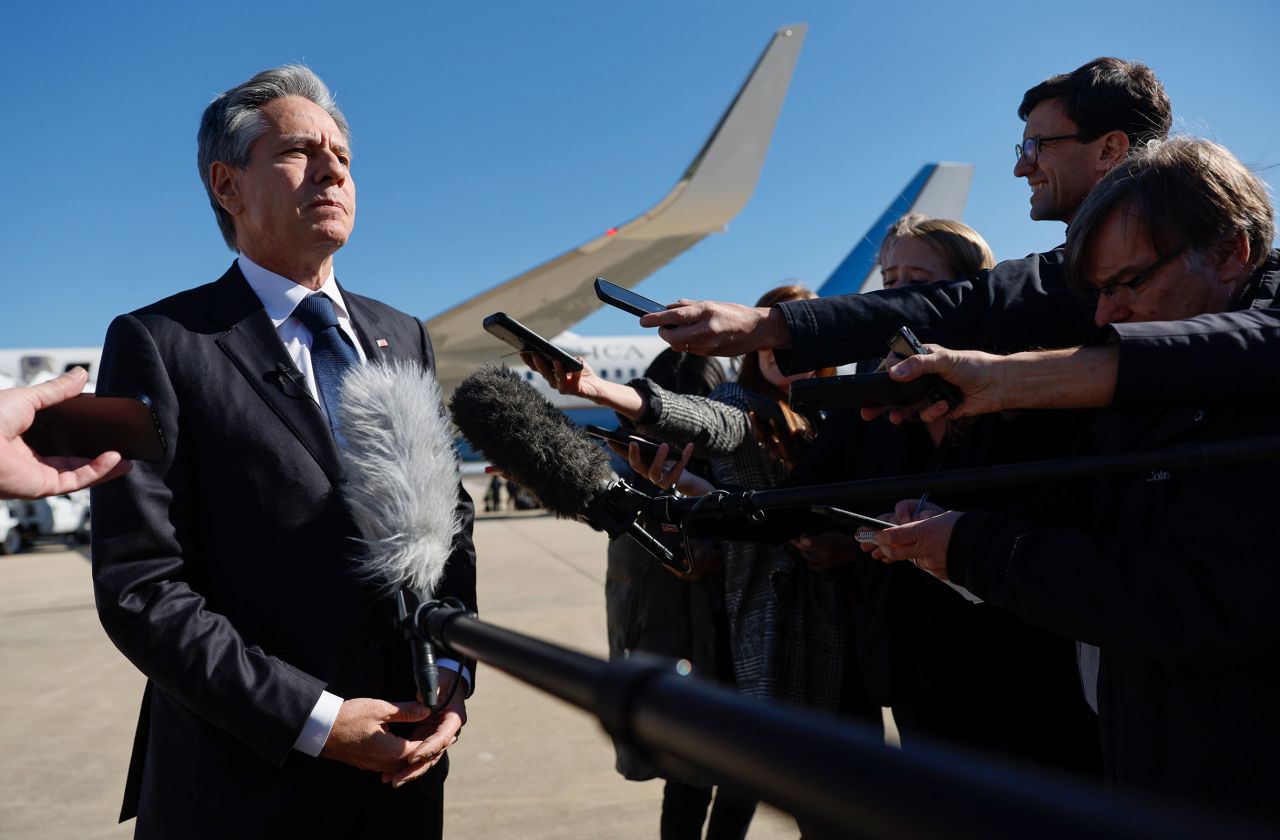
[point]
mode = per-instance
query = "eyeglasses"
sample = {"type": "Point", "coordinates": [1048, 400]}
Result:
{"type": "Point", "coordinates": [1029, 149]}
{"type": "Point", "coordinates": [1111, 290]}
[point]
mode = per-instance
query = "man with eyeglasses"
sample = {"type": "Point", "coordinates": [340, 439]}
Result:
{"type": "Point", "coordinates": [1078, 126]}
{"type": "Point", "coordinates": [1172, 573]}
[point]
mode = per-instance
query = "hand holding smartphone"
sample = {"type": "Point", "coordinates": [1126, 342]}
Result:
{"type": "Point", "coordinates": [878, 389]}
{"type": "Point", "coordinates": [905, 344]}
{"type": "Point", "coordinates": [648, 449]}
{"type": "Point", "coordinates": [508, 329]}
{"type": "Point", "coordinates": [625, 299]}
{"type": "Point", "coordinates": [87, 425]}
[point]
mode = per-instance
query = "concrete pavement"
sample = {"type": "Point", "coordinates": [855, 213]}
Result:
{"type": "Point", "coordinates": [527, 765]}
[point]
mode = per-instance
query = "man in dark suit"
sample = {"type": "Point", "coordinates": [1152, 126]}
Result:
{"type": "Point", "coordinates": [225, 571]}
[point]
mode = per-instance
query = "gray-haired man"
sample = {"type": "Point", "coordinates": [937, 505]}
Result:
{"type": "Point", "coordinates": [276, 682]}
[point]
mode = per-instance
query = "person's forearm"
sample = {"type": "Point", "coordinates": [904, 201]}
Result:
{"type": "Point", "coordinates": [623, 399]}
{"type": "Point", "coordinates": [1228, 355]}
{"type": "Point", "coordinates": [1079, 377]}
{"type": "Point", "coordinates": [773, 331]}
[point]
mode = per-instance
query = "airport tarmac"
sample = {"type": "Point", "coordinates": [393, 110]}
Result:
{"type": "Point", "coordinates": [527, 766]}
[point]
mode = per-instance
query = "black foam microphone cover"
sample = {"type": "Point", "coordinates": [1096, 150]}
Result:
{"type": "Point", "coordinates": [531, 441]}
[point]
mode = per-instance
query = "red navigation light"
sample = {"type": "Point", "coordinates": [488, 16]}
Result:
{"type": "Point", "coordinates": [611, 232]}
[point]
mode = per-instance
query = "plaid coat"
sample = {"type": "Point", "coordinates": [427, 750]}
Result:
{"type": "Point", "coordinates": [787, 630]}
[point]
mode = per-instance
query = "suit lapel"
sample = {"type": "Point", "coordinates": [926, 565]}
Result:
{"type": "Point", "coordinates": [254, 347]}
{"type": "Point", "coordinates": [367, 324]}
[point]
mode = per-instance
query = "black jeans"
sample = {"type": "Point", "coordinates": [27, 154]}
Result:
{"type": "Point", "coordinates": [684, 809]}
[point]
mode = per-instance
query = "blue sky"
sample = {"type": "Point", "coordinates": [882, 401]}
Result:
{"type": "Point", "coordinates": [491, 137]}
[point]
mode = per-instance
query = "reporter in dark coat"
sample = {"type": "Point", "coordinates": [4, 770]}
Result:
{"type": "Point", "coordinates": [1171, 572]}
{"type": "Point", "coordinates": [279, 700]}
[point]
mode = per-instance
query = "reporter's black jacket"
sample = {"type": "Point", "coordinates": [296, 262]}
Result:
{"type": "Point", "coordinates": [1017, 305]}
{"type": "Point", "coordinates": [1174, 575]}
{"type": "Point", "coordinates": [968, 673]}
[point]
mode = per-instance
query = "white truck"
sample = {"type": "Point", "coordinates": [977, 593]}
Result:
{"type": "Point", "coordinates": [62, 518]}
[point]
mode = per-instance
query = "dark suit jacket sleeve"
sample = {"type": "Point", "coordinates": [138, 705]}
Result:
{"type": "Point", "coordinates": [1018, 305]}
{"type": "Point", "coordinates": [147, 587]}
{"type": "Point", "coordinates": [1195, 587]}
{"type": "Point", "coordinates": [1231, 355]}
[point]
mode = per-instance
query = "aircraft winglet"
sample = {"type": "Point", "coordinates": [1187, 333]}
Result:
{"type": "Point", "coordinates": [714, 187]}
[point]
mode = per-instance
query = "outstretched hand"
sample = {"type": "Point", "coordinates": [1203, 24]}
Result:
{"type": "Point", "coordinates": [976, 374]}
{"type": "Point", "coordinates": [712, 328]}
{"type": "Point", "coordinates": [26, 474]}
{"type": "Point", "coordinates": [664, 472]}
{"type": "Point", "coordinates": [582, 383]}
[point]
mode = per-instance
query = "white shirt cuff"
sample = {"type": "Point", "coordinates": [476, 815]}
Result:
{"type": "Point", "coordinates": [457, 667]}
{"type": "Point", "coordinates": [316, 730]}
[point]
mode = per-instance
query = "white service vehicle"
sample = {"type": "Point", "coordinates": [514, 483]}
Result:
{"type": "Point", "coordinates": [63, 518]}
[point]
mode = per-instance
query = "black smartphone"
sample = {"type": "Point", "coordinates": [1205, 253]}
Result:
{"type": "Point", "coordinates": [625, 299]}
{"type": "Point", "coordinates": [647, 447]}
{"type": "Point", "coordinates": [905, 344]}
{"type": "Point", "coordinates": [87, 425]}
{"type": "Point", "coordinates": [857, 391]}
{"type": "Point", "coordinates": [766, 411]}
{"type": "Point", "coordinates": [503, 326]}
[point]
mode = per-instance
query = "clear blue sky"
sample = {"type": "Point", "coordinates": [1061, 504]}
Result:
{"type": "Point", "coordinates": [492, 136]}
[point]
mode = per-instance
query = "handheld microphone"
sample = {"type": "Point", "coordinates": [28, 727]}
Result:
{"type": "Point", "coordinates": [534, 443]}
{"type": "Point", "coordinates": [531, 441]}
{"type": "Point", "coordinates": [402, 471]}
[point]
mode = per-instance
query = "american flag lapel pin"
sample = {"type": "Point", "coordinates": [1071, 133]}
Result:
{"type": "Point", "coordinates": [381, 342]}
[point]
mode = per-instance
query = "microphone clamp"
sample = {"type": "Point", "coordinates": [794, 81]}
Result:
{"type": "Point", "coordinates": [616, 511]}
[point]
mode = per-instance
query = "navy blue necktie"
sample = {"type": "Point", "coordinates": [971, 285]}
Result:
{"type": "Point", "coordinates": [331, 352]}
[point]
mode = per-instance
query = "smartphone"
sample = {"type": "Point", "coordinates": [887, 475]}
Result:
{"type": "Point", "coordinates": [857, 390]}
{"type": "Point", "coordinates": [625, 299]}
{"type": "Point", "coordinates": [647, 447]}
{"type": "Point", "coordinates": [848, 517]}
{"type": "Point", "coordinates": [87, 425]}
{"type": "Point", "coordinates": [905, 344]}
{"type": "Point", "coordinates": [503, 326]}
{"type": "Point", "coordinates": [766, 411]}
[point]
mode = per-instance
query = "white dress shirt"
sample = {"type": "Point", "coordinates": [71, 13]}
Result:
{"type": "Point", "coordinates": [280, 296]}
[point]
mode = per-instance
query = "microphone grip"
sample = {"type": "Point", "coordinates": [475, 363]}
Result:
{"type": "Point", "coordinates": [425, 674]}
{"type": "Point", "coordinates": [422, 656]}
{"type": "Point", "coordinates": [656, 549]}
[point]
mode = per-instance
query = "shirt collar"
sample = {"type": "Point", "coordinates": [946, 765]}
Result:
{"type": "Point", "coordinates": [280, 295]}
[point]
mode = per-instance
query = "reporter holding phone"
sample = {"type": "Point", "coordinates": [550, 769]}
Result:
{"type": "Point", "coordinates": [787, 630]}
{"type": "Point", "coordinates": [949, 669]}
{"type": "Point", "coordinates": [649, 608]}
{"type": "Point", "coordinates": [1173, 589]}
{"type": "Point", "coordinates": [26, 474]}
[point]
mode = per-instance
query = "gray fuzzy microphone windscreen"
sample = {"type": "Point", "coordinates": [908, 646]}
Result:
{"type": "Point", "coordinates": [401, 471]}
{"type": "Point", "coordinates": [530, 440]}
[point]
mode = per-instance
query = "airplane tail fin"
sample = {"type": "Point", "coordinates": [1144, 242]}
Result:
{"type": "Point", "coordinates": [722, 176]}
{"type": "Point", "coordinates": [940, 190]}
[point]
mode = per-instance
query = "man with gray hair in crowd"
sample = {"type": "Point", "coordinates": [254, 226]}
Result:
{"type": "Point", "coordinates": [1170, 572]}
{"type": "Point", "coordinates": [279, 698]}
